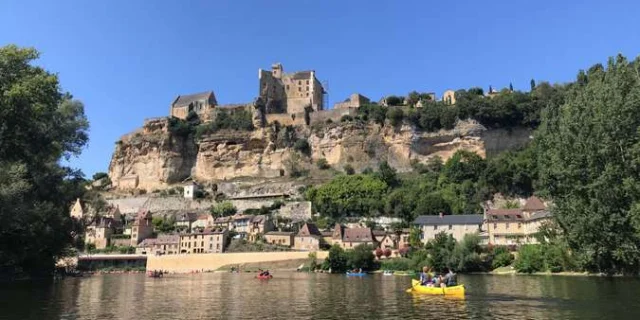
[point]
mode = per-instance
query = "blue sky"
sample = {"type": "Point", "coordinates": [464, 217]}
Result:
{"type": "Point", "coordinates": [127, 60]}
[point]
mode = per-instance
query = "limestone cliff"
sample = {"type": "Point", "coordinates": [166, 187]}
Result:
{"type": "Point", "coordinates": [154, 157]}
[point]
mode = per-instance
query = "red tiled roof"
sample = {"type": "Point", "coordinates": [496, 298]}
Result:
{"type": "Point", "coordinates": [534, 204]}
{"type": "Point", "coordinates": [309, 229]}
{"type": "Point", "coordinates": [504, 214]}
{"type": "Point", "coordinates": [358, 235]}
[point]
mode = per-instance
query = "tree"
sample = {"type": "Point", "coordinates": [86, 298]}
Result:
{"type": "Point", "coordinates": [348, 196]}
{"type": "Point", "coordinates": [589, 154]}
{"type": "Point", "coordinates": [387, 253]}
{"type": "Point", "coordinates": [529, 259]}
{"type": "Point", "coordinates": [99, 175]}
{"type": "Point", "coordinates": [533, 85]}
{"type": "Point", "coordinates": [223, 209]}
{"type": "Point", "coordinates": [388, 174]}
{"type": "Point", "coordinates": [40, 126]}
{"type": "Point", "coordinates": [510, 87]}
{"type": "Point", "coordinates": [322, 164]}
{"type": "Point", "coordinates": [336, 259]}
{"type": "Point", "coordinates": [348, 169]}
{"type": "Point", "coordinates": [394, 100]}
{"type": "Point", "coordinates": [361, 257]}
{"type": "Point", "coordinates": [379, 253]}
{"type": "Point", "coordinates": [395, 116]}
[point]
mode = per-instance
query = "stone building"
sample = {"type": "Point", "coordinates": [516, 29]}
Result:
{"type": "Point", "coordinates": [142, 228]}
{"type": "Point", "coordinates": [290, 92]}
{"type": "Point", "coordinates": [349, 238]}
{"type": "Point", "coordinates": [356, 100]}
{"type": "Point", "coordinates": [205, 241]}
{"type": "Point", "coordinates": [456, 225]}
{"type": "Point", "coordinates": [100, 230]}
{"type": "Point", "coordinates": [516, 226]}
{"type": "Point", "coordinates": [280, 238]}
{"type": "Point", "coordinates": [449, 97]}
{"type": "Point", "coordinates": [200, 103]}
{"type": "Point", "coordinates": [260, 225]}
{"type": "Point", "coordinates": [308, 238]}
{"type": "Point", "coordinates": [163, 244]}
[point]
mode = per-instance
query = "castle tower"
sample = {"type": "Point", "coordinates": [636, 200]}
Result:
{"type": "Point", "coordinates": [276, 70]}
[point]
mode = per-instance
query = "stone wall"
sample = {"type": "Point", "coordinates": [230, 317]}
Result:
{"type": "Point", "coordinates": [334, 114]}
{"type": "Point", "coordinates": [184, 263]}
{"type": "Point", "coordinates": [285, 119]}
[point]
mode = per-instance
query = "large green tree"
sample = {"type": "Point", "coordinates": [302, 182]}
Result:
{"type": "Point", "coordinates": [349, 196]}
{"type": "Point", "coordinates": [589, 162]}
{"type": "Point", "coordinates": [39, 126]}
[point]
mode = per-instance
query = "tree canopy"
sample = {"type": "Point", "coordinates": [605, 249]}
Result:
{"type": "Point", "coordinates": [39, 126]}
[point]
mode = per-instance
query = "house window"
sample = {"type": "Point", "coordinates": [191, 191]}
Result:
{"type": "Point", "coordinates": [210, 246]}
{"type": "Point", "coordinates": [495, 226]}
{"type": "Point", "coordinates": [307, 88]}
{"type": "Point", "coordinates": [307, 81]}
{"type": "Point", "coordinates": [202, 244]}
{"type": "Point", "coordinates": [299, 82]}
{"type": "Point", "coordinates": [307, 94]}
{"type": "Point", "coordinates": [507, 225]}
{"type": "Point", "coordinates": [287, 87]}
{"type": "Point", "coordinates": [519, 225]}
{"type": "Point", "coordinates": [218, 246]}
{"type": "Point", "coordinates": [299, 89]}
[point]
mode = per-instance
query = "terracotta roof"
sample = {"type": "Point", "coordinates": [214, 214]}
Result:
{"type": "Point", "coordinates": [338, 231]}
{"type": "Point", "coordinates": [242, 217]}
{"type": "Point", "coordinates": [504, 215]}
{"type": "Point", "coordinates": [205, 232]}
{"type": "Point", "coordinates": [457, 219]}
{"type": "Point", "coordinates": [203, 216]}
{"type": "Point", "coordinates": [534, 204]}
{"type": "Point", "coordinates": [161, 239]}
{"type": "Point", "coordinates": [184, 100]}
{"type": "Point", "coordinates": [358, 235]}
{"type": "Point", "coordinates": [309, 229]}
{"type": "Point", "coordinates": [222, 220]}
{"type": "Point", "coordinates": [279, 233]}
{"type": "Point", "coordinates": [379, 233]}
{"type": "Point", "coordinates": [188, 216]}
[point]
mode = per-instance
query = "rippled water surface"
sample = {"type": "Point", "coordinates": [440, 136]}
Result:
{"type": "Point", "coordinates": [317, 296]}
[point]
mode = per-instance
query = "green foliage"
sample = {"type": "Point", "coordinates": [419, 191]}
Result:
{"type": "Point", "coordinates": [501, 257]}
{"type": "Point", "coordinates": [394, 100]}
{"type": "Point", "coordinates": [590, 165]}
{"type": "Point", "coordinates": [348, 196]}
{"type": "Point", "coordinates": [439, 250]}
{"type": "Point", "coordinates": [99, 175]}
{"type": "Point", "coordinates": [322, 164]}
{"type": "Point", "coordinates": [336, 260]}
{"type": "Point", "coordinates": [373, 112]}
{"type": "Point", "coordinates": [396, 264]}
{"type": "Point", "coordinates": [164, 225]}
{"type": "Point", "coordinates": [361, 257]}
{"type": "Point", "coordinates": [226, 120]}
{"type": "Point", "coordinates": [529, 259]}
{"type": "Point", "coordinates": [346, 118]}
{"type": "Point", "coordinates": [395, 116]}
{"type": "Point", "coordinates": [349, 170]}
{"type": "Point", "coordinates": [302, 146]}
{"type": "Point", "coordinates": [180, 128]}
{"type": "Point", "coordinates": [223, 209]}
{"type": "Point", "coordinates": [388, 174]}
{"type": "Point", "coordinates": [40, 127]}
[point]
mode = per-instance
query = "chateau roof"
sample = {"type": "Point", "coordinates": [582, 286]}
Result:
{"type": "Point", "coordinates": [161, 239]}
{"type": "Point", "coordinates": [184, 100]}
{"type": "Point", "coordinates": [279, 233]}
{"type": "Point", "coordinates": [449, 219]}
{"type": "Point", "coordinates": [358, 235]}
{"type": "Point", "coordinates": [534, 204]}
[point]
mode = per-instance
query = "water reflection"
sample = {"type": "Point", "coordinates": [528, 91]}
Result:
{"type": "Point", "coordinates": [317, 296]}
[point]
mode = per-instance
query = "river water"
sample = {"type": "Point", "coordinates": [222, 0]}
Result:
{"type": "Point", "coordinates": [317, 296]}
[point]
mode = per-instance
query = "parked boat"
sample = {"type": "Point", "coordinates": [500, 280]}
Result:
{"type": "Point", "coordinates": [448, 291]}
{"type": "Point", "coordinates": [356, 274]}
{"type": "Point", "coordinates": [264, 277]}
{"type": "Point", "coordinates": [387, 273]}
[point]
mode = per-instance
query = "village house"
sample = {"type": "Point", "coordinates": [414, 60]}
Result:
{"type": "Point", "coordinates": [99, 231]}
{"type": "Point", "coordinates": [516, 226]}
{"type": "Point", "coordinates": [223, 222]}
{"type": "Point", "coordinates": [163, 244]}
{"type": "Point", "coordinates": [203, 221]}
{"type": "Point", "coordinates": [189, 190]}
{"type": "Point", "coordinates": [206, 241]}
{"type": "Point", "coordinates": [356, 100]}
{"type": "Point", "coordinates": [308, 238]}
{"type": "Point", "coordinates": [281, 238]}
{"type": "Point", "coordinates": [241, 224]}
{"type": "Point", "coordinates": [260, 225]}
{"type": "Point", "coordinates": [200, 103]}
{"type": "Point", "coordinates": [185, 220]}
{"type": "Point", "coordinates": [142, 227]}
{"type": "Point", "coordinates": [387, 242]}
{"type": "Point", "coordinates": [349, 238]}
{"type": "Point", "coordinates": [456, 225]}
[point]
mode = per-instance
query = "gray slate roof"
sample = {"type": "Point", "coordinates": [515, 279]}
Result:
{"type": "Point", "coordinates": [189, 98]}
{"type": "Point", "coordinates": [449, 219]}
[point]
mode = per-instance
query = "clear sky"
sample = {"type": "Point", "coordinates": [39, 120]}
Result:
{"type": "Point", "coordinates": [126, 59]}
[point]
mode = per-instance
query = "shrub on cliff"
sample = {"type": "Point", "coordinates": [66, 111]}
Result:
{"type": "Point", "coordinates": [322, 164]}
{"type": "Point", "coordinates": [303, 147]}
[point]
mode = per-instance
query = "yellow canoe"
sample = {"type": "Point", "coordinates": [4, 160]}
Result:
{"type": "Point", "coordinates": [448, 291]}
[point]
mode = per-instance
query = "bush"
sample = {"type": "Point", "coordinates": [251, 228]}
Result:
{"type": "Point", "coordinates": [395, 115]}
{"type": "Point", "coordinates": [336, 261]}
{"type": "Point", "coordinates": [302, 146]}
{"type": "Point", "coordinates": [323, 164]}
{"type": "Point", "coordinates": [223, 209]}
{"type": "Point", "coordinates": [99, 175]}
{"type": "Point", "coordinates": [348, 169]}
{"type": "Point", "coordinates": [396, 264]}
{"type": "Point", "coordinates": [501, 257]}
{"type": "Point", "coordinates": [530, 259]}
{"type": "Point", "coordinates": [346, 118]}
{"type": "Point", "coordinates": [395, 101]}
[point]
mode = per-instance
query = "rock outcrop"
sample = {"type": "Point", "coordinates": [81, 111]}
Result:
{"type": "Point", "coordinates": [156, 157]}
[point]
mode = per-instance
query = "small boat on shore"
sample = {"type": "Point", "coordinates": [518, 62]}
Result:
{"type": "Point", "coordinates": [356, 274]}
{"type": "Point", "coordinates": [264, 277]}
{"type": "Point", "coordinates": [387, 273]}
{"type": "Point", "coordinates": [448, 291]}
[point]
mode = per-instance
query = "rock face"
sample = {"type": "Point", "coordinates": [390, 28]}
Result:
{"type": "Point", "coordinates": [154, 157]}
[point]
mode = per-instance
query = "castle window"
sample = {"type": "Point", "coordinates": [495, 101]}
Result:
{"type": "Point", "coordinates": [299, 82]}
{"type": "Point", "coordinates": [307, 94]}
{"type": "Point", "coordinates": [307, 88]}
{"type": "Point", "coordinates": [287, 87]}
{"type": "Point", "coordinates": [307, 81]}
{"type": "Point", "coordinates": [299, 88]}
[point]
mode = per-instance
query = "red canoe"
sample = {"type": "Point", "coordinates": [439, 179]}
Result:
{"type": "Point", "coordinates": [264, 277]}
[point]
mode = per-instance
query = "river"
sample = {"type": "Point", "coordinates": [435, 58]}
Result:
{"type": "Point", "coordinates": [292, 295]}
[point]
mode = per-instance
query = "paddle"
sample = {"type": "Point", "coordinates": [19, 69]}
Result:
{"type": "Point", "coordinates": [413, 286]}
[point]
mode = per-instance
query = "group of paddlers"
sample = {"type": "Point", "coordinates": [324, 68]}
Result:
{"type": "Point", "coordinates": [430, 279]}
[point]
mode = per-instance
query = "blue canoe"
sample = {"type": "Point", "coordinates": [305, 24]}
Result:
{"type": "Point", "coordinates": [356, 274]}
